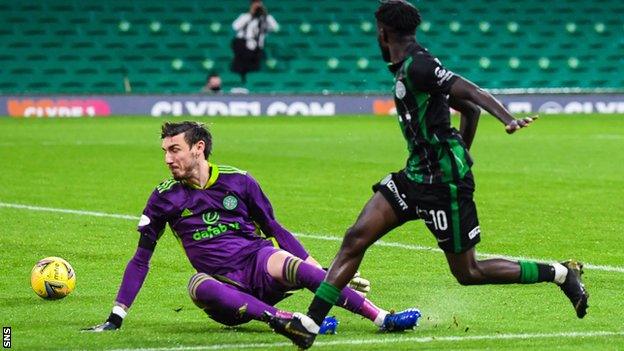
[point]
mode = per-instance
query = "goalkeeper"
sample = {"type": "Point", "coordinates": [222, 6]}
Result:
{"type": "Point", "coordinates": [215, 211]}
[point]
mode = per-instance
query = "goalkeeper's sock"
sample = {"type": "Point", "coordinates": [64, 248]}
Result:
{"type": "Point", "coordinates": [225, 303]}
{"type": "Point", "coordinates": [300, 273]}
{"type": "Point", "coordinates": [117, 316]}
{"type": "Point", "coordinates": [374, 313]}
{"type": "Point", "coordinates": [533, 272]}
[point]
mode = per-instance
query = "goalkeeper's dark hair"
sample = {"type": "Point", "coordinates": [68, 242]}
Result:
{"type": "Point", "coordinates": [398, 15]}
{"type": "Point", "coordinates": [193, 132]}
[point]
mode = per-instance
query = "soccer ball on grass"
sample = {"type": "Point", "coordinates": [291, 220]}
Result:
{"type": "Point", "coordinates": [53, 278]}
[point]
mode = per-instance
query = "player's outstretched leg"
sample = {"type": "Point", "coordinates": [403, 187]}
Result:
{"type": "Point", "coordinates": [470, 271]}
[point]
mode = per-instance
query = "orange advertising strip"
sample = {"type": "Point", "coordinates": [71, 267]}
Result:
{"type": "Point", "coordinates": [384, 107]}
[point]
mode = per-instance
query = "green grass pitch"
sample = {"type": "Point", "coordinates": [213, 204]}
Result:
{"type": "Point", "coordinates": [553, 191]}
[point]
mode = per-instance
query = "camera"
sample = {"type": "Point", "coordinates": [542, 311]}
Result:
{"type": "Point", "coordinates": [260, 11]}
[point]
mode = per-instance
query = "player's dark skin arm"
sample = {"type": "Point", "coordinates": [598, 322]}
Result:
{"type": "Point", "coordinates": [469, 114]}
{"type": "Point", "coordinates": [466, 90]}
{"type": "Point", "coordinates": [465, 267]}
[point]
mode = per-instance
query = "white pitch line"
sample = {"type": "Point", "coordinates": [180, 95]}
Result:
{"type": "Point", "coordinates": [605, 268]}
{"type": "Point", "coordinates": [392, 340]}
{"type": "Point", "coordinates": [62, 210]}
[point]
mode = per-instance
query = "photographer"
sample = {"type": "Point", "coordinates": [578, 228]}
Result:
{"type": "Point", "coordinates": [248, 44]}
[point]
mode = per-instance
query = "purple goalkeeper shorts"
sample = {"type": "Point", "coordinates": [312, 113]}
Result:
{"type": "Point", "coordinates": [255, 279]}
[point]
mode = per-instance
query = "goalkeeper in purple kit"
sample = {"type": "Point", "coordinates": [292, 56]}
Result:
{"type": "Point", "coordinates": [215, 213]}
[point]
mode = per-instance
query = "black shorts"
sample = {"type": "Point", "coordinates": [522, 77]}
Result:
{"type": "Point", "coordinates": [447, 208]}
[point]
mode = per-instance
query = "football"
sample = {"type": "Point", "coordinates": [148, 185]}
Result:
{"type": "Point", "coordinates": [53, 278]}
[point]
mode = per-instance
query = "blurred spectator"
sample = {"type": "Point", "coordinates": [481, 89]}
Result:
{"type": "Point", "coordinates": [213, 84]}
{"type": "Point", "coordinates": [251, 29]}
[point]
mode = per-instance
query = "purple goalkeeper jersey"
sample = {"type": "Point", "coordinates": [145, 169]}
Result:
{"type": "Point", "coordinates": [216, 225]}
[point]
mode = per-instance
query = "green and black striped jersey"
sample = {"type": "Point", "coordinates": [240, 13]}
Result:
{"type": "Point", "coordinates": [437, 153]}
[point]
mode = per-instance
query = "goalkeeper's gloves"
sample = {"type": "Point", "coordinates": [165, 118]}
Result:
{"type": "Point", "coordinates": [357, 283]}
{"type": "Point", "coordinates": [114, 321]}
{"type": "Point", "coordinates": [360, 285]}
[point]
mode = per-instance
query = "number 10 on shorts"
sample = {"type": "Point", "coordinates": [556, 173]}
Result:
{"type": "Point", "coordinates": [439, 219]}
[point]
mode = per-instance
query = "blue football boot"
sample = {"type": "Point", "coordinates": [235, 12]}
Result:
{"type": "Point", "coordinates": [395, 322]}
{"type": "Point", "coordinates": [329, 325]}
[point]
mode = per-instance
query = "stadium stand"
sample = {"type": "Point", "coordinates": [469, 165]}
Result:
{"type": "Point", "coordinates": [322, 46]}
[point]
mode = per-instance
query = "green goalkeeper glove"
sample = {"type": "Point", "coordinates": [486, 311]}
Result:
{"type": "Point", "coordinates": [360, 285]}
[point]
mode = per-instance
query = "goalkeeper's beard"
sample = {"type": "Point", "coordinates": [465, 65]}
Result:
{"type": "Point", "coordinates": [182, 174]}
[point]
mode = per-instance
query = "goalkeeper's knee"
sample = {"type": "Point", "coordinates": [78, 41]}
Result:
{"type": "Point", "coordinates": [194, 283]}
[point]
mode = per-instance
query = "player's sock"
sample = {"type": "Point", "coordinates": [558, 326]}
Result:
{"type": "Point", "coordinates": [354, 302]}
{"type": "Point", "coordinates": [533, 272]}
{"type": "Point", "coordinates": [561, 272]}
{"type": "Point", "coordinates": [325, 297]}
{"type": "Point", "coordinates": [225, 300]}
{"type": "Point", "coordinates": [309, 276]}
{"type": "Point", "coordinates": [374, 313]}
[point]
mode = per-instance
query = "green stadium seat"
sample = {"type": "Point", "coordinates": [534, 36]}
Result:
{"type": "Point", "coordinates": [39, 86]}
{"type": "Point", "coordinates": [8, 86]}
{"type": "Point", "coordinates": [106, 86]}
{"type": "Point", "coordinates": [147, 45]}
{"type": "Point", "coordinates": [298, 66]}
{"type": "Point", "coordinates": [73, 86]}
{"type": "Point", "coordinates": [19, 68]}
{"type": "Point", "coordinates": [261, 81]}
{"type": "Point", "coordinates": [168, 86]}
{"type": "Point", "coordinates": [116, 45]}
